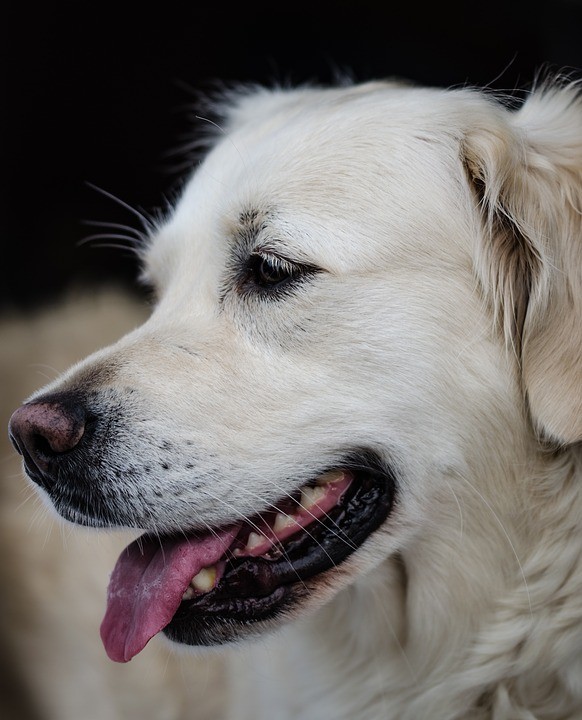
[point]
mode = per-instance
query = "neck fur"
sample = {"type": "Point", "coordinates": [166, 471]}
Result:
{"type": "Point", "coordinates": [463, 625]}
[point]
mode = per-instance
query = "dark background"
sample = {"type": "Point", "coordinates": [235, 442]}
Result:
{"type": "Point", "coordinates": [97, 95]}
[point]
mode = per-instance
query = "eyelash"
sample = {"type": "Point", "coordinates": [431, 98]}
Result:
{"type": "Point", "coordinates": [273, 274]}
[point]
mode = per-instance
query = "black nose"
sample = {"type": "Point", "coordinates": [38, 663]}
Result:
{"type": "Point", "coordinates": [44, 430]}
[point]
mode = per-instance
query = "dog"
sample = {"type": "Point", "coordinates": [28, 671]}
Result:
{"type": "Point", "coordinates": [349, 431]}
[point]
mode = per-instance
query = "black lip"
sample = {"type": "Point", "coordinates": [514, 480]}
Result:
{"type": "Point", "coordinates": [259, 589]}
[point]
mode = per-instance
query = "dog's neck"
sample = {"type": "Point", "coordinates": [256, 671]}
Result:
{"type": "Point", "coordinates": [405, 643]}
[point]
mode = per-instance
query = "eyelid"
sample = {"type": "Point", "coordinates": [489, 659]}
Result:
{"type": "Point", "coordinates": [276, 259]}
{"type": "Point", "coordinates": [283, 251]}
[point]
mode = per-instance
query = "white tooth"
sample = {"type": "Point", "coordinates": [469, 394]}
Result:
{"type": "Point", "coordinates": [204, 580]}
{"type": "Point", "coordinates": [330, 476]}
{"type": "Point", "coordinates": [311, 495]}
{"type": "Point", "coordinates": [282, 522]}
{"type": "Point", "coordinates": [188, 593]}
{"type": "Point", "coordinates": [254, 540]}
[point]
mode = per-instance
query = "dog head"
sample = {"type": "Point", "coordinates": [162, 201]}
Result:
{"type": "Point", "coordinates": [360, 293]}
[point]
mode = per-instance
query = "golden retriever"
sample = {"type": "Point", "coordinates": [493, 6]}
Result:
{"type": "Point", "coordinates": [349, 430]}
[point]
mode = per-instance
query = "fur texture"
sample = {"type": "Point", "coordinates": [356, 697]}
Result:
{"type": "Point", "coordinates": [430, 247]}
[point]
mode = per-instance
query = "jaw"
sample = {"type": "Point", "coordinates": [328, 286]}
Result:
{"type": "Point", "coordinates": [247, 578]}
{"type": "Point", "coordinates": [258, 592]}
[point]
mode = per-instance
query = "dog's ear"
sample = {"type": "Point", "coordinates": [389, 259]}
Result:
{"type": "Point", "coordinates": [526, 166]}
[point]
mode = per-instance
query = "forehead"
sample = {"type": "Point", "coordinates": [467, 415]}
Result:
{"type": "Point", "coordinates": [374, 162]}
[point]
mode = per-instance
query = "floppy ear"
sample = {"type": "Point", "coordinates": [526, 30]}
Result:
{"type": "Point", "coordinates": [527, 168]}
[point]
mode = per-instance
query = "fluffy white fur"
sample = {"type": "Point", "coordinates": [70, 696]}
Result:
{"type": "Point", "coordinates": [443, 330]}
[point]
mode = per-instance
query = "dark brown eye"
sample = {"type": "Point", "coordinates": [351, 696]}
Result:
{"type": "Point", "coordinates": [272, 276]}
{"type": "Point", "coordinates": [270, 271]}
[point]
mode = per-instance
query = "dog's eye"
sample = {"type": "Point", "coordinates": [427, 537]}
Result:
{"type": "Point", "coordinates": [271, 275]}
{"type": "Point", "coordinates": [271, 271]}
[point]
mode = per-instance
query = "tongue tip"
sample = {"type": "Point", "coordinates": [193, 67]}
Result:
{"type": "Point", "coordinates": [118, 659]}
{"type": "Point", "coordinates": [120, 644]}
{"type": "Point", "coordinates": [114, 645]}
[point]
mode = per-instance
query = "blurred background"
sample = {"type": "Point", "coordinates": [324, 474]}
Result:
{"type": "Point", "coordinates": [96, 99]}
{"type": "Point", "coordinates": [99, 95]}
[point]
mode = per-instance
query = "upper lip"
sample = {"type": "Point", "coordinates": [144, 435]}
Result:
{"type": "Point", "coordinates": [365, 502]}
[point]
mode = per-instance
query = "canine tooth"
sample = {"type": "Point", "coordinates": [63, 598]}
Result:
{"type": "Point", "coordinates": [204, 580]}
{"type": "Point", "coordinates": [330, 476]}
{"type": "Point", "coordinates": [311, 495]}
{"type": "Point", "coordinates": [254, 540]}
{"type": "Point", "coordinates": [282, 522]}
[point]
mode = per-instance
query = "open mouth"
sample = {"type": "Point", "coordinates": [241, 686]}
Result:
{"type": "Point", "coordinates": [203, 589]}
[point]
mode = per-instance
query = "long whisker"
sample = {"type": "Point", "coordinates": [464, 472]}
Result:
{"type": "Point", "coordinates": [139, 235]}
{"type": "Point", "coordinates": [247, 520]}
{"type": "Point", "coordinates": [131, 243]}
{"type": "Point", "coordinates": [213, 532]}
{"type": "Point", "coordinates": [305, 529]}
{"type": "Point", "coordinates": [260, 531]}
{"type": "Point", "coordinates": [506, 534]}
{"type": "Point", "coordinates": [113, 246]}
{"type": "Point", "coordinates": [147, 222]}
{"type": "Point", "coordinates": [340, 534]}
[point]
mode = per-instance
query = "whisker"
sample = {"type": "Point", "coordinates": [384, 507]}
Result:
{"type": "Point", "coordinates": [458, 505]}
{"type": "Point", "coordinates": [401, 649]}
{"type": "Point", "coordinates": [48, 372]}
{"type": "Point", "coordinates": [340, 534]}
{"type": "Point", "coordinates": [511, 545]}
{"type": "Point", "coordinates": [31, 496]}
{"type": "Point", "coordinates": [110, 236]}
{"type": "Point", "coordinates": [131, 244]}
{"type": "Point", "coordinates": [139, 235]}
{"type": "Point", "coordinates": [285, 494]}
{"type": "Point", "coordinates": [147, 222]}
{"type": "Point", "coordinates": [305, 529]}
{"type": "Point", "coordinates": [112, 246]}
{"type": "Point", "coordinates": [248, 521]}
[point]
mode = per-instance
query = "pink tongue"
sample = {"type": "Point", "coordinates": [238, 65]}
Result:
{"type": "Point", "coordinates": [147, 585]}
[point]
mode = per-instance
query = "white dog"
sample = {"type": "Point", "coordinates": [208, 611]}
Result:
{"type": "Point", "coordinates": [350, 427]}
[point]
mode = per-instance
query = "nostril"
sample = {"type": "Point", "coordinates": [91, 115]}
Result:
{"type": "Point", "coordinates": [42, 430]}
{"type": "Point", "coordinates": [42, 446]}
